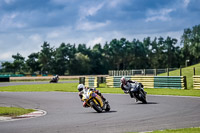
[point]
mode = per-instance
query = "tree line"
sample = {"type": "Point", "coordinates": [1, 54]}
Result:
{"type": "Point", "coordinates": [118, 54]}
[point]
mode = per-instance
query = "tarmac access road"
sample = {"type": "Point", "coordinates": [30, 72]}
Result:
{"type": "Point", "coordinates": [65, 113]}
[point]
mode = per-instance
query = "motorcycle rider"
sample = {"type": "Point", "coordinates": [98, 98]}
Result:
{"type": "Point", "coordinates": [126, 86]}
{"type": "Point", "coordinates": [55, 78]}
{"type": "Point", "coordinates": [81, 89]}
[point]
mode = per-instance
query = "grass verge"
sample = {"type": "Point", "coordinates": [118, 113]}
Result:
{"type": "Point", "coordinates": [72, 87]}
{"type": "Point", "coordinates": [184, 130]}
{"type": "Point", "coordinates": [175, 92]}
{"type": "Point", "coordinates": [14, 111]}
{"type": "Point", "coordinates": [67, 87]}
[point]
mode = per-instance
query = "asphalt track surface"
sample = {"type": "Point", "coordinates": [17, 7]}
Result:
{"type": "Point", "coordinates": [65, 113]}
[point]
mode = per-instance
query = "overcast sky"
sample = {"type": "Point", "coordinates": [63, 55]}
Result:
{"type": "Point", "coordinates": [26, 24]}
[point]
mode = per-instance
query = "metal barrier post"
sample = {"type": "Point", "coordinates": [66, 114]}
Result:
{"type": "Point", "coordinates": [167, 71]}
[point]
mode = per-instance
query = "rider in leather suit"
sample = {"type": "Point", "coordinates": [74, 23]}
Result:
{"type": "Point", "coordinates": [126, 86]}
{"type": "Point", "coordinates": [81, 87]}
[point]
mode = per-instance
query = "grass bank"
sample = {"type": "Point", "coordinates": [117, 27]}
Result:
{"type": "Point", "coordinates": [188, 72]}
{"type": "Point", "coordinates": [14, 111]}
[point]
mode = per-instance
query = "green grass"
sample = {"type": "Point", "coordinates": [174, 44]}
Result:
{"type": "Point", "coordinates": [184, 130]}
{"type": "Point", "coordinates": [72, 87]}
{"type": "Point", "coordinates": [67, 87]}
{"type": "Point", "coordinates": [188, 72]}
{"type": "Point", "coordinates": [14, 111]}
{"type": "Point", "coordinates": [176, 92]}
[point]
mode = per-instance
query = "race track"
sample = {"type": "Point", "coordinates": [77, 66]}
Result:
{"type": "Point", "coordinates": [65, 113]}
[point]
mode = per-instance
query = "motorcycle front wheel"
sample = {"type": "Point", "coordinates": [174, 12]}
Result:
{"type": "Point", "coordinates": [143, 97]}
{"type": "Point", "coordinates": [107, 107]}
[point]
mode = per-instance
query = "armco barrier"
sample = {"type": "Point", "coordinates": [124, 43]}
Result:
{"type": "Point", "coordinates": [81, 80]}
{"type": "Point", "coordinates": [147, 81]}
{"type": "Point", "coordinates": [114, 81]}
{"type": "Point", "coordinates": [196, 82]}
{"type": "Point", "coordinates": [176, 82]}
{"type": "Point", "coordinates": [91, 82]}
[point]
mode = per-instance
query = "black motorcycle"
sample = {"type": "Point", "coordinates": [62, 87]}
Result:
{"type": "Point", "coordinates": [138, 92]}
{"type": "Point", "coordinates": [54, 80]}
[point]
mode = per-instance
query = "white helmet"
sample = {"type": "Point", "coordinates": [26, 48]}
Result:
{"type": "Point", "coordinates": [80, 87]}
{"type": "Point", "coordinates": [123, 80]}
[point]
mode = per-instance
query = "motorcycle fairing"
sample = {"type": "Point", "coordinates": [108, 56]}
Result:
{"type": "Point", "coordinates": [98, 98]}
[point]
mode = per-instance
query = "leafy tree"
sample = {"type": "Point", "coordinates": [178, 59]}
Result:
{"type": "Point", "coordinates": [115, 54]}
{"type": "Point", "coordinates": [106, 56]}
{"type": "Point", "coordinates": [97, 60]}
{"type": "Point", "coordinates": [82, 48]}
{"type": "Point", "coordinates": [18, 63]}
{"type": "Point", "coordinates": [7, 67]}
{"type": "Point", "coordinates": [170, 50]}
{"type": "Point", "coordinates": [62, 57]}
{"type": "Point", "coordinates": [80, 64]}
{"type": "Point", "coordinates": [33, 63]}
{"type": "Point", "coordinates": [45, 58]}
{"type": "Point", "coordinates": [191, 44]}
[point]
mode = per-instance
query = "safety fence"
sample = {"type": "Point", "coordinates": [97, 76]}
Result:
{"type": "Point", "coordinates": [176, 82]}
{"type": "Point", "coordinates": [140, 72]}
{"type": "Point", "coordinates": [156, 72]}
{"type": "Point", "coordinates": [91, 82]}
{"type": "Point", "coordinates": [196, 82]}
